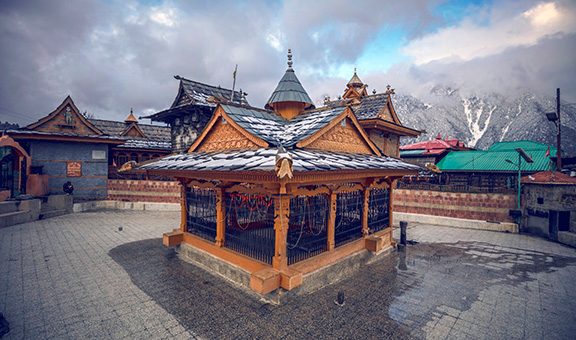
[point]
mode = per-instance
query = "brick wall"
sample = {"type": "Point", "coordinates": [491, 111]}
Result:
{"type": "Point", "coordinates": [484, 207]}
{"type": "Point", "coordinates": [143, 191]}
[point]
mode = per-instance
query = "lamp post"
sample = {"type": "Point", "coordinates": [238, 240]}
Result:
{"type": "Point", "coordinates": [521, 155]}
{"type": "Point", "coordinates": [555, 118]}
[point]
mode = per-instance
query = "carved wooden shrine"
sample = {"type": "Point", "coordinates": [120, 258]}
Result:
{"type": "Point", "coordinates": [283, 191]}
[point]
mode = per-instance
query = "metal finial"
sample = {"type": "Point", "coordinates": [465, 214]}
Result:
{"type": "Point", "coordinates": [374, 91]}
{"type": "Point", "coordinates": [289, 58]}
{"type": "Point", "coordinates": [131, 110]}
{"type": "Point", "coordinates": [354, 70]}
{"type": "Point", "coordinates": [389, 90]}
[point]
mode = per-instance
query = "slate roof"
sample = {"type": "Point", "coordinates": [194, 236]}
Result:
{"type": "Point", "coordinates": [277, 130]}
{"type": "Point", "coordinates": [289, 89]}
{"type": "Point", "coordinates": [114, 128]}
{"type": "Point", "coordinates": [264, 160]}
{"type": "Point", "coordinates": [198, 93]}
{"type": "Point", "coordinates": [157, 137]}
{"type": "Point", "coordinates": [368, 108]}
{"type": "Point", "coordinates": [24, 131]}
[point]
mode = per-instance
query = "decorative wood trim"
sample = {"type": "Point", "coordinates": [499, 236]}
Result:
{"type": "Point", "coordinates": [220, 218]}
{"type": "Point", "coordinates": [183, 207]}
{"type": "Point", "coordinates": [348, 188]}
{"type": "Point", "coordinates": [347, 113]}
{"type": "Point", "coordinates": [255, 189]}
{"type": "Point", "coordinates": [223, 137]}
{"type": "Point", "coordinates": [387, 126]}
{"type": "Point", "coordinates": [67, 101]}
{"type": "Point", "coordinates": [331, 231]}
{"type": "Point", "coordinates": [365, 205]}
{"type": "Point", "coordinates": [269, 177]}
{"type": "Point", "coordinates": [133, 126]}
{"type": "Point", "coordinates": [303, 191]}
{"type": "Point", "coordinates": [390, 202]}
{"type": "Point", "coordinates": [219, 113]}
{"type": "Point", "coordinates": [201, 184]}
{"type": "Point", "coordinates": [281, 219]}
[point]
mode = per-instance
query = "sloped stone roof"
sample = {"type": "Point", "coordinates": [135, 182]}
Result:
{"type": "Point", "coordinates": [289, 89]}
{"type": "Point", "coordinates": [199, 93]}
{"type": "Point", "coordinates": [264, 160]}
{"type": "Point", "coordinates": [157, 137]}
{"type": "Point", "coordinates": [277, 130]}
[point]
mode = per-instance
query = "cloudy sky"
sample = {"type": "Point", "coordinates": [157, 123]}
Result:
{"type": "Point", "coordinates": [111, 55]}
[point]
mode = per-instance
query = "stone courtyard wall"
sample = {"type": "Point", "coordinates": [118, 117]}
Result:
{"type": "Point", "coordinates": [143, 191]}
{"type": "Point", "coordinates": [484, 207]}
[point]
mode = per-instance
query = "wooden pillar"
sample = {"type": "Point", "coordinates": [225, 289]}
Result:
{"type": "Point", "coordinates": [183, 207]}
{"type": "Point", "coordinates": [220, 217]}
{"type": "Point", "coordinates": [281, 219]}
{"type": "Point", "coordinates": [332, 222]}
{"type": "Point", "coordinates": [365, 206]}
{"type": "Point", "coordinates": [390, 202]}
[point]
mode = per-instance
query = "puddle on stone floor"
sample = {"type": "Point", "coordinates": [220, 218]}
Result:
{"type": "Point", "coordinates": [397, 296]}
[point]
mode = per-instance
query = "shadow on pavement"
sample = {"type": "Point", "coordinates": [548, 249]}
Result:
{"type": "Point", "coordinates": [393, 297]}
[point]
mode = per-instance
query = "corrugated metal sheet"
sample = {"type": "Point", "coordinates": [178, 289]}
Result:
{"type": "Point", "coordinates": [494, 159]}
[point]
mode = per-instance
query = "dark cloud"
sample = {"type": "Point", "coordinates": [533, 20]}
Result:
{"type": "Point", "coordinates": [114, 55]}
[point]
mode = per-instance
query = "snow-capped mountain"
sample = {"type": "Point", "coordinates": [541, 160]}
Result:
{"type": "Point", "coordinates": [481, 120]}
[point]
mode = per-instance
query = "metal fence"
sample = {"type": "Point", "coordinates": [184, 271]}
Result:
{"type": "Point", "coordinates": [307, 231]}
{"type": "Point", "coordinates": [250, 225]}
{"type": "Point", "coordinates": [201, 219]}
{"type": "Point", "coordinates": [348, 217]}
{"type": "Point", "coordinates": [378, 214]}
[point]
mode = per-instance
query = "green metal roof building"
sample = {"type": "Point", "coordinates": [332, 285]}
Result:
{"type": "Point", "coordinates": [494, 160]}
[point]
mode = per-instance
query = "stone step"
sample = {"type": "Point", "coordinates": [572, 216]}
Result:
{"type": "Point", "coordinates": [52, 213]}
{"type": "Point", "coordinates": [15, 217]}
{"type": "Point", "coordinates": [8, 207]}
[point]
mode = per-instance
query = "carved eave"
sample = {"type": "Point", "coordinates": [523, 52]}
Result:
{"type": "Point", "coordinates": [347, 113]}
{"type": "Point", "coordinates": [219, 114]}
{"type": "Point", "coordinates": [133, 130]}
{"type": "Point", "coordinates": [355, 93]}
{"type": "Point", "coordinates": [310, 177]}
{"type": "Point", "coordinates": [387, 126]}
{"type": "Point", "coordinates": [67, 102]}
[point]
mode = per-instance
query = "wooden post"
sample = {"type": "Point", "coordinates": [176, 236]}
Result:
{"type": "Point", "coordinates": [390, 202]}
{"type": "Point", "coordinates": [281, 219]}
{"type": "Point", "coordinates": [365, 206]}
{"type": "Point", "coordinates": [183, 207]}
{"type": "Point", "coordinates": [332, 222]}
{"type": "Point", "coordinates": [220, 217]}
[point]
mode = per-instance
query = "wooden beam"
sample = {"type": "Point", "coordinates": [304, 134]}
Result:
{"type": "Point", "coordinates": [183, 207]}
{"type": "Point", "coordinates": [281, 219]}
{"type": "Point", "coordinates": [330, 233]}
{"type": "Point", "coordinates": [220, 217]}
{"type": "Point", "coordinates": [390, 202]}
{"type": "Point", "coordinates": [365, 206]}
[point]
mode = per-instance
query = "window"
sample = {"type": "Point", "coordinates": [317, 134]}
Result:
{"type": "Point", "coordinates": [122, 158]}
{"type": "Point", "coordinates": [145, 157]}
{"type": "Point", "coordinates": [134, 157]}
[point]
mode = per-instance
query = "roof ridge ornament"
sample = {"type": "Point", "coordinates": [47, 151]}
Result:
{"type": "Point", "coordinates": [290, 58]}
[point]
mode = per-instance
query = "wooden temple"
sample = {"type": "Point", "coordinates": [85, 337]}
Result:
{"type": "Point", "coordinates": [284, 191]}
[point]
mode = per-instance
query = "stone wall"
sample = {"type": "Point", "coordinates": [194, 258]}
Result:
{"type": "Point", "coordinates": [53, 157]}
{"type": "Point", "coordinates": [540, 200]}
{"type": "Point", "coordinates": [483, 207]}
{"type": "Point", "coordinates": [143, 191]}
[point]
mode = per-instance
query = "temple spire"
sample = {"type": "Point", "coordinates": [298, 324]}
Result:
{"type": "Point", "coordinates": [289, 58]}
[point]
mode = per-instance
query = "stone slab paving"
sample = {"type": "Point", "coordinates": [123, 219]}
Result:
{"type": "Point", "coordinates": [78, 276]}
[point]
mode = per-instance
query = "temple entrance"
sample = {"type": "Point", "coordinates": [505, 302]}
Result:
{"type": "Point", "coordinates": [7, 165]}
{"type": "Point", "coordinates": [201, 212]}
{"type": "Point", "coordinates": [14, 166]}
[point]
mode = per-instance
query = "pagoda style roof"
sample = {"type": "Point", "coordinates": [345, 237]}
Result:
{"type": "Point", "coordinates": [264, 159]}
{"type": "Point", "coordinates": [278, 131]}
{"type": "Point", "coordinates": [193, 92]}
{"type": "Point", "coordinates": [289, 89]}
{"type": "Point", "coordinates": [153, 136]}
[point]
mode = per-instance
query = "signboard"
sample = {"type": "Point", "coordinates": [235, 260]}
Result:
{"type": "Point", "coordinates": [74, 169]}
{"type": "Point", "coordinates": [98, 154]}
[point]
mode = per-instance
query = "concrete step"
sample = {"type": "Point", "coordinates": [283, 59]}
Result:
{"type": "Point", "coordinates": [15, 217]}
{"type": "Point", "coordinates": [8, 207]}
{"type": "Point", "coordinates": [52, 213]}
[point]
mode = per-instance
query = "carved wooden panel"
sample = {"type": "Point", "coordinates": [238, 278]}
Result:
{"type": "Point", "coordinates": [133, 131]}
{"type": "Point", "coordinates": [224, 136]}
{"type": "Point", "coordinates": [342, 137]}
{"type": "Point", "coordinates": [68, 121]}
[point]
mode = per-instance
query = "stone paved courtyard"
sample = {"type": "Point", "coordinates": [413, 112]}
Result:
{"type": "Point", "coordinates": [79, 276]}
